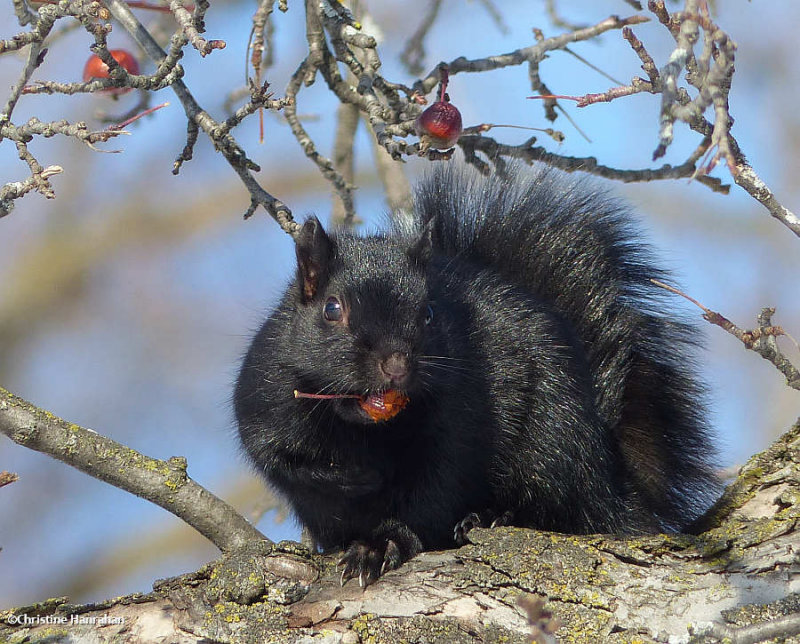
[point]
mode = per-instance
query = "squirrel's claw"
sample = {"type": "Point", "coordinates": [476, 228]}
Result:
{"type": "Point", "coordinates": [369, 562]}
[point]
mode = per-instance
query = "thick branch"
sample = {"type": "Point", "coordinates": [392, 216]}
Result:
{"type": "Point", "coordinates": [164, 483]}
{"type": "Point", "coordinates": [527, 152]}
{"type": "Point", "coordinates": [347, 119]}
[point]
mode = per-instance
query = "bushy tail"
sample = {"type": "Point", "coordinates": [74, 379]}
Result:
{"type": "Point", "coordinates": [574, 246]}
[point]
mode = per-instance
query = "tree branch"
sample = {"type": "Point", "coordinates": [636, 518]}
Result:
{"type": "Point", "coordinates": [6, 478]}
{"type": "Point", "coordinates": [761, 339]}
{"type": "Point", "coordinates": [164, 483]}
{"type": "Point", "coordinates": [223, 140]}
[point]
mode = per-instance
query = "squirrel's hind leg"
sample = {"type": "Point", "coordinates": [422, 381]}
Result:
{"type": "Point", "coordinates": [483, 519]}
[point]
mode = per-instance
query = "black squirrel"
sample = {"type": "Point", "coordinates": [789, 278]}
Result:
{"type": "Point", "coordinates": [500, 356]}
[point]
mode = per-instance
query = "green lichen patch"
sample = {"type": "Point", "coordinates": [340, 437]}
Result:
{"type": "Point", "coordinates": [374, 630]}
{"type": "Point", "coordinates": [581, 624]}
{"type": "Point", "coordinates": [281, 573]}
{"type": "Point", "coordinates": [757, 613]}
{"type": "Point", "coordinates": [40, 636]}
{"type": "Point", "coordinates": [780, 461]}
{"type": "Point", "coordinates": [240, 624]}
{"type": "Point", "coordinates": [366, 627]}
{"type": "Point", "coordinates": [563, 567]}
{"type": "Point", "coordinates": [206, 605]}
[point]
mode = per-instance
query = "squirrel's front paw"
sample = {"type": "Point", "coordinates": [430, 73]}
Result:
{"type": "Point", "coordinates": [369, 562]}
{"type": "Point", "coordinates": [390, 545]}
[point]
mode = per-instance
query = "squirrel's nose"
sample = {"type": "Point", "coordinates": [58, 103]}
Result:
{"type": "Point", "coordinates": [396, 367]}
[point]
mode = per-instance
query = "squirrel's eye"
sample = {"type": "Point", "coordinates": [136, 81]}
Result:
{"type": "Point", "coordinates": [429, 315]}
{"type": "Point", "coordinates": [332, 311]}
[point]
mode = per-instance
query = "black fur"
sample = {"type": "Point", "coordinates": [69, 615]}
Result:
{"type": "Point", "coordinates": [547, 388]}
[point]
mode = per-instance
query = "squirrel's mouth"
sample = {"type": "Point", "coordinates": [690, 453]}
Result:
{"type": "Point", "coordinates": [379, 406]}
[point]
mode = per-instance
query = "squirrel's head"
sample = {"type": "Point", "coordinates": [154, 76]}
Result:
{"type": "Point", "coordinates": [365, 319]}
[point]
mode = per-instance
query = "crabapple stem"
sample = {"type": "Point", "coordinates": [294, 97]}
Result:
{"type": "Point", "coordinates": [300, 394]}
{"type": "Point", "coordinates": [444, 72]}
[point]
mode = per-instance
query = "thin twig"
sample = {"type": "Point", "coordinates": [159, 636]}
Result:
{"type": "Point", "coordinates": [761, 339]}
{"type": "Point", "coordinates": [192, 25]}
{"type": "Point", "coordinates": [6, 478]}
{"type": "Point", "coordinates": [136, 117]}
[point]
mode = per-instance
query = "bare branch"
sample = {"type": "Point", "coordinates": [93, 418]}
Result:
{"type": "Point", "coordinates": [747, 178]}
{"type": "Point", "coordinates": [192, 25]}
{"type": "Point", "coordinates": [260, 98]}
{"type": "Point", "coordinates": [396, 186]}
{"type": "Point", "coordinates": [761, 339]}
{"type": "Point", "coordinates": [167, 72]}
{"type": "Point", "coordinates": [647, 61]}
{"type": "Point", "coordinates": [24, 15]}
{"type": "Point", "coordinates": [223, 141]}
{"type": "Point", "coordinates": [261, 38]}
{"type": "Point", "coordinates": [84, 11]}
{"type": "Point", "coordinates": [164, 483]}
{"type": "Point", "coordinates": [37, 181]}
{"type": "Point", "coordinates": [526, 152]}
{"type": "Point", "coordinates": [326, 166]}
{"type": "Point", "coordinates": [319, 59]}
{"type": "Point", "coordinates": [335, 36]}
{"type": "Point", "coordinates": [685, 36]}
{"type": "Point", "coordinates": [192, 132]}
{"type": "Point", "coordinates": [711, 75]}
{"type": "Point", "coordinates": [34, 127]}
{"type": "Point", "coordinates": [347, 119]}
{"type": "Point", "coordinates": [533, 53]}
{"type": "Point", "coordinates": [36, 55]}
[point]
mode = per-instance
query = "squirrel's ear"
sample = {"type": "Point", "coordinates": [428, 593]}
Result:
{"type": "Point", "coordinates": [421, 249]}
{"type": "Point", "coordinates": [314, 249]}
